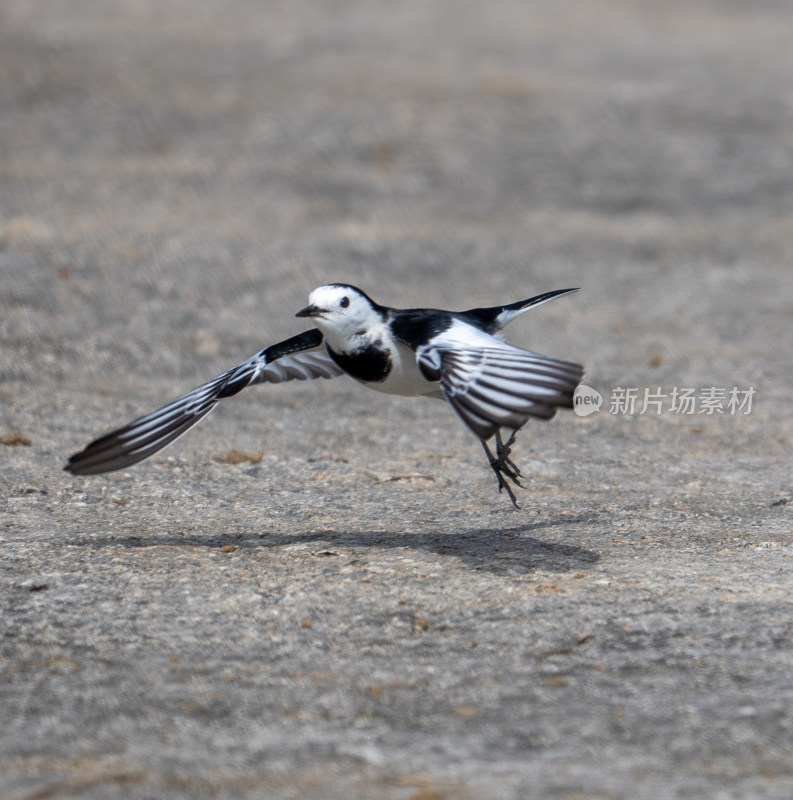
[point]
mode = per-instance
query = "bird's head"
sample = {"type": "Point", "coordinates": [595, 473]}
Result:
{"type": "Point", "coordinates": [342, 312]}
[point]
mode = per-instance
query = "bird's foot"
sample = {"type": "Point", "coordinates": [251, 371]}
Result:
{"type": "Point", "coordinates": [503, 467]}
{"type": "Point", "coordinates": [502, 482]}
{"type": "Point", "coordinates": [503, 452]}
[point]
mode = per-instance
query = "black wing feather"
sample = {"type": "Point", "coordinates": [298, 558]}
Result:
{"type": "Point", "coordinates": [501, 386]}
{"type": "Point", "coordinates": [297, 358]}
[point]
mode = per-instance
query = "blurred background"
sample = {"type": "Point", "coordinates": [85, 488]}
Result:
{"type": "Point", "coordinates": [175, 179]}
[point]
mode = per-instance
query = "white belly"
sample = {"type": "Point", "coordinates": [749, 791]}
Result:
{"type": "Point", "coordinates": [405, 377]}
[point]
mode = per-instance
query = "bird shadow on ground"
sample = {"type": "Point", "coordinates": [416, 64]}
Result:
{"type": "Point", "coordinates": [495, 550]}
{"type": "Point", "coordinates": [481, 549]}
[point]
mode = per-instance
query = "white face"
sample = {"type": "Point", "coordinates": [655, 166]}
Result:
{"type": "Point", "coordinates": [341, 312]}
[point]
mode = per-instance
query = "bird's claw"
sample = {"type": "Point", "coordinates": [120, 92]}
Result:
{"type": "Point", "coordinates": [503, 451]}
{"type": "Point", "coordinates": [503, 466]}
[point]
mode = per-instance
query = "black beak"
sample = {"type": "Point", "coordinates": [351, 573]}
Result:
{"type": "Point", "coordinates": [309, 311]}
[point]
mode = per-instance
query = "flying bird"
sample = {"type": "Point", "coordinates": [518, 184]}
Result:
{"type": "Point", "coordinates": [457, 356]}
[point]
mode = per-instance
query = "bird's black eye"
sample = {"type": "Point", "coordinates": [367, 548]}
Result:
{"type": "Point", "coordinates": [344, 302]}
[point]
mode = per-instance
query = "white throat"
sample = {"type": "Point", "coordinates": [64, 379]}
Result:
{"type": "Point", "coordinates": [352, 335]}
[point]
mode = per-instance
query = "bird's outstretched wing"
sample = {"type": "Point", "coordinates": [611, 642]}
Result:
{"type": "Point", "coordinates": [499, 385]}
{"type": "Point", "coordinates": [297, 358]}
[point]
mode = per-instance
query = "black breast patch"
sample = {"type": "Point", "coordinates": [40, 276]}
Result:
{"type": "Point", "coordinates": [372, 364]}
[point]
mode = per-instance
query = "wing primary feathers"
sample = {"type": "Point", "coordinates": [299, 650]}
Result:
{"type": "Point", "coordinates": [141, 438]}
{"type": "Point", "coordinates": [501, 386]}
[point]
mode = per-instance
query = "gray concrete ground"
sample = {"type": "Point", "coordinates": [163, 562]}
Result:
{"type": "Point", "coordinates": [359, 613]}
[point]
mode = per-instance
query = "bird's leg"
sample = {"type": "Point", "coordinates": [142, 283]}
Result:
{"type": "Point", "coordinates": [503, 467]}
{"type": "Point", "coordinates": [503, 452]}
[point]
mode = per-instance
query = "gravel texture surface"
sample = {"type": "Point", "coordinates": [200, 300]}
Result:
{"type": "Point", "coordinates": [354, 611]}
